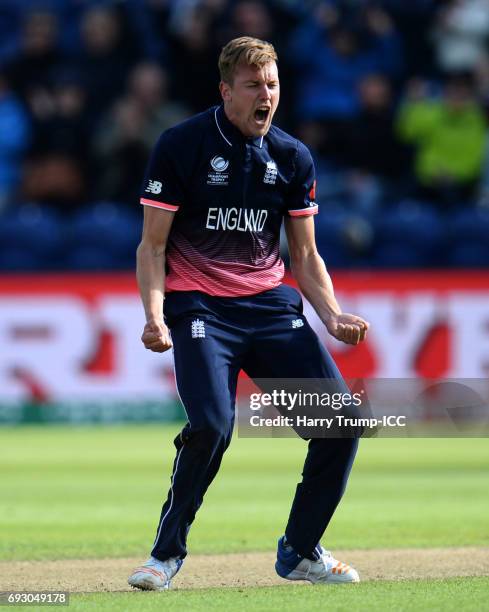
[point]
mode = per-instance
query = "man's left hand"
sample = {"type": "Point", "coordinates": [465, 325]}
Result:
{"type": "Point", "coordinates": [347, 328]}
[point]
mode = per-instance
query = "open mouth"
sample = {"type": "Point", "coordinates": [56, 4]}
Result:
{"type": "Point", "coordinates": [261, 115]}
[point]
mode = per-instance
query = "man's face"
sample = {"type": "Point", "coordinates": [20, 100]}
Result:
{"type": "Point", "coordinates": [252, 99]}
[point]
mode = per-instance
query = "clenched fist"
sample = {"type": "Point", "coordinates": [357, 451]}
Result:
{"type": "Point", "coordinates": [347, 328]}
{"type": "Point", "coordinates": [156, 337]}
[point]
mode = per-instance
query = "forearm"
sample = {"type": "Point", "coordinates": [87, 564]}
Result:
{"type": "Point", "coordinates": [150, 272]}
{"type": "Point", "coordinates": [316, 285]}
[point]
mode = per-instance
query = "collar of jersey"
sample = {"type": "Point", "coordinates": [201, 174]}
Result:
{"type": "Point", "coordinates": [230, 132]}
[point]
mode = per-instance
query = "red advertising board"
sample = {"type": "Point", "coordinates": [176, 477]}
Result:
{"type": "Point", "coordinates": [71, 336]}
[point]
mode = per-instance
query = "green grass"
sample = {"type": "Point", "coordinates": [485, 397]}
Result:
{"type": "Point", "coordinates": [92, 492]}
{"type": "Point", "coordinates": [467, 594]}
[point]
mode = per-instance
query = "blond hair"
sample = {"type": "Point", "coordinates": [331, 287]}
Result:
{"type": "Point", "coordinates": [244, 50]}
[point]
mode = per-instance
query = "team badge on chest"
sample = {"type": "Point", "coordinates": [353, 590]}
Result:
{"type": "Point", "coordinates": [270, 177]}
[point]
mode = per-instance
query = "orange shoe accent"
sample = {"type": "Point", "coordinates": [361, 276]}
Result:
{"type": "Point", "coordinates": [150, 570]}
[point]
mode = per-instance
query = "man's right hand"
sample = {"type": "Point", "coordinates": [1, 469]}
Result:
{"type": "Point", "coordinates": [156, 337]}
{"type": "Point", "coordinates": [347, 328]}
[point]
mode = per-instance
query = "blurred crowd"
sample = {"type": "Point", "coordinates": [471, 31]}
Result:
{"type": "Point", "coordinates": [391, 96]}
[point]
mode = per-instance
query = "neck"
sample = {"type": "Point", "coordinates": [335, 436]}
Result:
{"type": "Point", "coordinates": [232, 119]}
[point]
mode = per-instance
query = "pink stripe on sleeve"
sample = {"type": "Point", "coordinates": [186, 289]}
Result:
{"type": "Point", "coordinates": [312, 210]}
{"type": "Point", "coordinates": [157, 204]}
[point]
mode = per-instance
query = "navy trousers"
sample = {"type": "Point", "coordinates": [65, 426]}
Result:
{"type": "Point", "coordinates": [214, 338]}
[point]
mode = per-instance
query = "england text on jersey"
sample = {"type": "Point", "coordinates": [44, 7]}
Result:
{"type": "Point", "coordinates": [236, 219]}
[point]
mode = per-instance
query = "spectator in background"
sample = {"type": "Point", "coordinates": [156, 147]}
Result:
{"type": "Point", "coordinates": [448, 135]}
{"type": "Point", "coordinates": [481, 75]}
{"type": "Point", "coordinates": [461, 35]}
{"type": "Point", "coordinates": [333, 55]}
{"type": "Point", "coordinates": [483, 194]}
{"type": "Point", "coordinates": [105, 58]}
{"type": "Point", "coordinates": [193, 50]}
{"type": "Point", "coordinates": [370, 146]}
{"type": "Point", "coordinates": [128, 133]}
{"type": "Point", "coordinates": [14, 139]}
{"type": "Point", "coordinates": [414, 22]}
{"type": "Point", "coordinates": [371, 160]}
{"type": "Point", "coordinates": [149, 25]}
{"type": "Point", "coordinates": [61, 124]}
{"type": "Point", "coordinates": [30, 72]}
{"type": "Point", "coordinates": [9, 29]}
{"type": "Point", "coordinates": [250, 18]}
{"type": "Point", "coordinates": [58, 163]}
{"type": "Point", "coordinates": [178, 13]}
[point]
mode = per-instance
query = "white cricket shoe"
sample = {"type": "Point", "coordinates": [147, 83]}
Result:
{"type": "Point", "coordinates": [325, 569]}
{"type": "Point", "coordinates": [155, 575]}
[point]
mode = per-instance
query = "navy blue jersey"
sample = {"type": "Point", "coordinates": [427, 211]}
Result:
{"type": "Point", "coordinates": [230, 194]}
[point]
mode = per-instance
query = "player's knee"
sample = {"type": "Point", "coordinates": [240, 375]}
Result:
{"type": "Point", "coordinates": [333, 451]}
{"type": "Point", "coordinates": [210, 436]}
{"type": "Point", "coordinates": [215, 433]}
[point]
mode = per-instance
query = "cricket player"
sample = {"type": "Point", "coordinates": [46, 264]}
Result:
{"type": "Point", "coordinates": [217, 189]}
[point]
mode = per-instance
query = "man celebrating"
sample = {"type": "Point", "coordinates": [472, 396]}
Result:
{"type": "Point", "coordinates": [216, 191]}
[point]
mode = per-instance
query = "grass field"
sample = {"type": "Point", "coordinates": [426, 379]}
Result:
{"type": "Point", "coordinates": [444, 595]}
{"type": "Point", "coordinates": [75, 493]}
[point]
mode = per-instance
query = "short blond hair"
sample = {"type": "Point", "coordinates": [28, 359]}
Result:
{"type": "Point", "coordinates": [244, 50]}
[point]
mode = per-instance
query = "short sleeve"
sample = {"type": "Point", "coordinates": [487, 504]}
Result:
{"type": "Point", "coordinates": [301, 200]}
{"type": "Point", "coordinates": [163, 181]}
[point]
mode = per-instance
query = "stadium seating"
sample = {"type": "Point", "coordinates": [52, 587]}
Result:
{"type": "Point", "coordinates": [91, 258]}
{"type": "Point", "coordinates": [31, 238]}
{"type": "Point", "coordinates": [469, 256]}
{"type": "Point", "coordinates": [106, 230]}
{"type": "Point", "coordinates": [468, 237]}
{"type": "Point", "coordinates": [408, 234]}
{"type": "Point", "coordinates": [333, 237]}
{"type": "Point", "coordinates": [470, 224]}
{"type": "Point", "coordinates": [105, 235]}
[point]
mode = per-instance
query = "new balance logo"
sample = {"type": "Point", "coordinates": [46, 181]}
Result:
{"type": "Point", "coordinates": [154, 187]}
{"type": "Point", "coordinates": [297, 323]}
{"type": "Point", "coordinates": [198, 328]}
